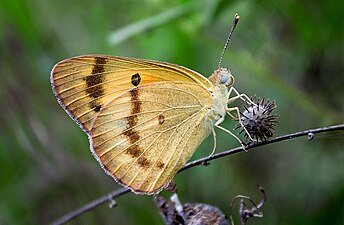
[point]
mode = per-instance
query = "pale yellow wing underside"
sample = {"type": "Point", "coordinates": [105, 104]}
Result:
{"type": "Point", "coordinates": [144, 136]}
{"type": "Point", "coordinates": [84, 84]}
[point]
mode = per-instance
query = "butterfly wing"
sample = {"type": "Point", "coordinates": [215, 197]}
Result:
{"type": "Point", "coordinates": [84, 84]}
{"type": "Point", "coordinates": [144, 136]}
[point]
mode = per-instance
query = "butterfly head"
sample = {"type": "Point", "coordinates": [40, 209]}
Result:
{"type": "Point", "coordinates": [222, 76]}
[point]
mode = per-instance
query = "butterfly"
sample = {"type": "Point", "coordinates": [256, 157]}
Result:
{"type": "Point", "coordinates": [144, 118]}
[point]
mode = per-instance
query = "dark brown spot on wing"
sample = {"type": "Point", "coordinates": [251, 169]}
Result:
{"type": "Point", "coordinates": [161, 119]}
{"type": "Point", "coordinates": [160, 165]}
{"type": "Point", "coordinates": [143, 162]}
{"type": "Point", "coordinates": [95, 105]}
{"type": "Point", "coordinates": [135, 79]}
{"type": "Point", "coordinates": [97, 108]}
{"type": "Point", "coordinates": [136, 104]}
{"type": "Point", "coordinates": [134, 151]}
{"type": "Point", "coordinates": [94, 82]}
{"type": "Point", "coordinates": [133, 136]}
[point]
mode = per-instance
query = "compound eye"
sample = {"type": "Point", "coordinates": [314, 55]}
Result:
{"type": "Point", "coordinates": [223, 77]}
{"type": "Point", "coordinates": [226, 77]}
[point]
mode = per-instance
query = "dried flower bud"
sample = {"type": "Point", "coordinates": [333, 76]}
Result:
{"type": "Point", "coordinates": [258, 120]}
{"type": "Point", "coordinates": [175, 213]}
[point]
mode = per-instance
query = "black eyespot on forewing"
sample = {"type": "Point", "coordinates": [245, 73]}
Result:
{"type": "Point", "coordinates": [135, 79]}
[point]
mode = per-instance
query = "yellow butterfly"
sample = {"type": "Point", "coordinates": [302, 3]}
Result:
{"type": "Point", "coordinates": [144, 118]}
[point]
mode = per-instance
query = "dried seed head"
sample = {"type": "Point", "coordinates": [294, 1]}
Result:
{"type": "Point", "coordinates": [174, 212]}
{"type": "Point", "coordinates": [258, 120]}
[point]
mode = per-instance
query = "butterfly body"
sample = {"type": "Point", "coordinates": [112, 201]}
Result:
{"type": "Point", "coordinates": [220, 102]}
{"type": "Point", "coordinates": [144, 118]}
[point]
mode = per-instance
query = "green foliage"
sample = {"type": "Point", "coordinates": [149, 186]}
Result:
{"type": "Point", "coordinates": [290, 51]}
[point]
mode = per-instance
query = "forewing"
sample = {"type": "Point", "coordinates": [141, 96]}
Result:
{"type": "Point", "coordinates": [84, 84]}
{"type": "Point", "coordinates": [144, 136]}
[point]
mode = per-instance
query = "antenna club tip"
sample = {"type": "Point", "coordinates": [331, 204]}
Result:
{"type": "Point", "coordinates": [235, 22]}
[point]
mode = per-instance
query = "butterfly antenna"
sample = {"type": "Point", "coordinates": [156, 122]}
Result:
{"type": "Point", "coordinates": [235, 22]}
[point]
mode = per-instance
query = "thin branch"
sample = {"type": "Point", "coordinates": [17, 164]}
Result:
{"type": "Point", "coordinates": [311, 132]}
{"type": "Point", "coordinates": [111, 196]}
{"type": "Point", "coordinates": [106, 198]}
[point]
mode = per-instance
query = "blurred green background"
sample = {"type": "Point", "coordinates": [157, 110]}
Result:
{"type": "Point", "coordinates": [290, 51]}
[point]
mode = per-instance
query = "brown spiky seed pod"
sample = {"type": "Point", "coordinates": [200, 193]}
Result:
{"type": "Point", "coordinates": [174, 212]}
{"type": "Point", "coordinates": [258, 120]}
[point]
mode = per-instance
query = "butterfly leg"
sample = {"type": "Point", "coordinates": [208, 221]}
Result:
{"type": "Point", "coordinates": [236, 109]}
{"type": "Point", "coordinates": [214, 133]}
{"type": "Point", "coordinates": [231, 115]}
{"type": "Point", "coordinates": [214, 136]}
{"type": "Point", "coordinates": [224, 129]}
{"type": "Point", "coordinates": [244, 98]}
